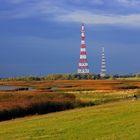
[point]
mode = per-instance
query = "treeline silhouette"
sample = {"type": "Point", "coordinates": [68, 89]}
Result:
{"type": "Point", "coordinates": [74, 76]}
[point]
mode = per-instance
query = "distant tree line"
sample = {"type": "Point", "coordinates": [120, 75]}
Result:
{"type": "Point", "coordinates": [74, 76]}
{"type": "Point", "coordinates": [55, 77]}
{"type": "Point", "coordinates": [135, 75]}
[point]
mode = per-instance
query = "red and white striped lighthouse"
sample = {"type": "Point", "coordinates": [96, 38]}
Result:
{"type": "Point", "coordinates": [83, 64]}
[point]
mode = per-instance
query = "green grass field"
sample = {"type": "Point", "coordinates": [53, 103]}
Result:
{"type": "Point", "coordinates": [114, 121]}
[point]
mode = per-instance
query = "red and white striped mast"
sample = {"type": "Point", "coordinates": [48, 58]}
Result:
{"type": "Point", "coordinates": [83, 67]}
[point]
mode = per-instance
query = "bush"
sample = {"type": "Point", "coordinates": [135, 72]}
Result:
{"type": "Point", "coordinates": [19, 106]}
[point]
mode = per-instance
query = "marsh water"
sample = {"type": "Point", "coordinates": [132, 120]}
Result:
{"type": "Point", "coordinates": [10, 87]}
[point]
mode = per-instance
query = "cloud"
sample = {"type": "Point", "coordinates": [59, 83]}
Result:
{"type": "Point", "coordinates": [90, 18]}
{"type": "Point", "coordinates": [65, 11]}
{"type": "Point", "coordinates": [40, 9]}
{"type": "Point", "coordinates": [129, 2]}
{"type": "Point", "coordinates": [13, 1]}
{"type": "Point", "coordinates": [96, 2]}
{"type": "Point", "coordinates": [93, 2]}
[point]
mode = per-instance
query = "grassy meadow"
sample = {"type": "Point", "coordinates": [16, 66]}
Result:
{"type": "Point", "coordinates": [113, 115]}
{"type": "Point", "coordinates": [114, 121]}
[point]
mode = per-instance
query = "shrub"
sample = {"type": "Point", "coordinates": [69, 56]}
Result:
{"type": "Point", "coordinates": [19, 105]}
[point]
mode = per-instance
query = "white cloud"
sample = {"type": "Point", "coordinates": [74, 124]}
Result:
{"type": "Point", "coordinates": [124, 1]}
{"type": "Point", "coordinates": [39, 9]}
{"type": "Point", "coordinates": [129, 2]}
{"type": "Point", "coordinates": [59, 11]}
{"type": "Point", "coordinates": [90, 18]}
{"type": "Point", "coordinates": [96, 2]}
{"type": "Point", "coordinates": [14, 1]}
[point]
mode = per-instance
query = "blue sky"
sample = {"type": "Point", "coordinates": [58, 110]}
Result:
{"type": "Point", "coordinates": [38, 37]}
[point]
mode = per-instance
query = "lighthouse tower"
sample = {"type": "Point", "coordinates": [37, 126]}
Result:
{"type": "Point", "coordinates": [83, 64]}
{"type": "Point", "coordinates": [103, 64]}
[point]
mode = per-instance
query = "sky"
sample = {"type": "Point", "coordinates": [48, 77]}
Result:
{"type": "Point", "coordinates": [39, 37]}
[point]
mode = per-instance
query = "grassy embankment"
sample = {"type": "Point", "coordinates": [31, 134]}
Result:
{"type": "Point", "coordinates": [115, 121]}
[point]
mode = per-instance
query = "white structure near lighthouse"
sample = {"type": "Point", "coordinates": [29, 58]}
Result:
{"type": "Point", "coordinates": [103, 64]}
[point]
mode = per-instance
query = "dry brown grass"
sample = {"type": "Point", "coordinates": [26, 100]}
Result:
{"type": "Point", "coordinates": [55, 94]}
{"type": "Point", "coordinates": [19, 104]}
{"type": "Point", "coordinates": [87, 84]}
